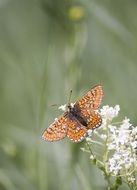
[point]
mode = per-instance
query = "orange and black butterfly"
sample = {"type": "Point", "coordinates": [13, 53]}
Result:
{"type": "Point", "coordinates": [78, 119]}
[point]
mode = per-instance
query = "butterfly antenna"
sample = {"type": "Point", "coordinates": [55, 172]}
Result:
{"type": "Point", "coordinates": [54, 105]}
{"type": "Point", "coordinates": [70, 94]}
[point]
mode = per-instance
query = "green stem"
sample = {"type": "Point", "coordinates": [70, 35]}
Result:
{"type": "Point", "coordinates": [106, 152]}
{"type": "Point", "coordinates": [97, 162]}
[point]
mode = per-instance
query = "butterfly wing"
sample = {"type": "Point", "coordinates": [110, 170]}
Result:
{"type": "Point", "coordinates": [92, 99]}
{"type": "Point", "coordinates": [65, 126]}
{"type": "Point", "coordinates": [57, 130]}
{"type": "Point", "coordinates": [87, 105]}
{"type": "Point", "coordinates": [76, 131]}
{"type": "Point", "coordinates": [93, 118]}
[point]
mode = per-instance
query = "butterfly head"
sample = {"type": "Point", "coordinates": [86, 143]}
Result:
{"type": "Point", "coordinates": [70, 106]}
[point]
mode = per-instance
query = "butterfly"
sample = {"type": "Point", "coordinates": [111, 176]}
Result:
{"type": "Point", "coordinates": [78, 119]}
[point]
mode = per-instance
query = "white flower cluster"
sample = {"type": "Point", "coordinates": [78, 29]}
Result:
{"type": "Point", "coordinates": [109, 112]}
{"type": "Point", "coordinates": [121, 144]}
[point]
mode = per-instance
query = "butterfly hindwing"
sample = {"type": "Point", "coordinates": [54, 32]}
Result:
{"type": "Point", "coordinates": [91, 117]}
{"type": "Point", "coordinates": [94, 120]}
{"type": "Point", "coordinates": [76, 131]}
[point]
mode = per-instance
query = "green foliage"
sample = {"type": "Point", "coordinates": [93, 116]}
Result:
{"type": "Point", "coordinates": [48, 48]}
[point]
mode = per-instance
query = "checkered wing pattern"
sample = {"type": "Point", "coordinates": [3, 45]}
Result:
{"type": "Point", "coordinates": [65, 126]}
{"type": "Point", "coordinates": [57, 130]}
{"type": "Point", "coordinates": [76, 131]}
{"type": "Point", "coordinates": [87, 105]}
{"type": "Point", "coordinates": [93, 118]}
{"type": "Point", "coordinates": [92, 99]}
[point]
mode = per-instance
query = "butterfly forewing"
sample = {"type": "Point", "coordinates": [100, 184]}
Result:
{"type": "Point", "coordinates": [87, 105]}
{"type": "Point", "coordinates": [57, 130]}
{"type": "Point", "coordinates": [92, 99]}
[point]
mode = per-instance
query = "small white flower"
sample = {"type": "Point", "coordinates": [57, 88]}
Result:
{"type": "Point", "coordinates": [63, 107]}
{"type": "Point", "coordinates": [131, 179]}
{"type": "Point", "coordinates": [95, 131]}
{"type": "Point", "coordinates": [103, 136]}
{"type": "Point", "coordinates": [126, 124]}
{"type": "Point", "coordinates": [134, 131]}
{"type": "Point", "coordinates": [134, 144]}
{"type": "Point", "coordinates": [91, 157]}
{"type": "Point", "coordinates": [83, 149]}
{"type": "Point", "coordinates": [90, 131]}
{"type": "Point", "coordinates": [111, 146]}
{"type": "Point", "coordinates": [113, 129]}
{"type": "Point", "coordinates": [110, 112]}
{"type": "Point", "coordinates": [88, 139]}
{"type": "Point", "coordinates": [72, 104]}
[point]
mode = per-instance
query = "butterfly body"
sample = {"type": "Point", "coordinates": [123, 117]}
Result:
{"type": "Point", "coordinates": [73, 112]}
{"type": "Point", "coordinates": [78, 119]}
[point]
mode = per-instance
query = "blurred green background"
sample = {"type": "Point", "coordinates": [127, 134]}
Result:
{"type": "Point", "coordinates": [47, 48]}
